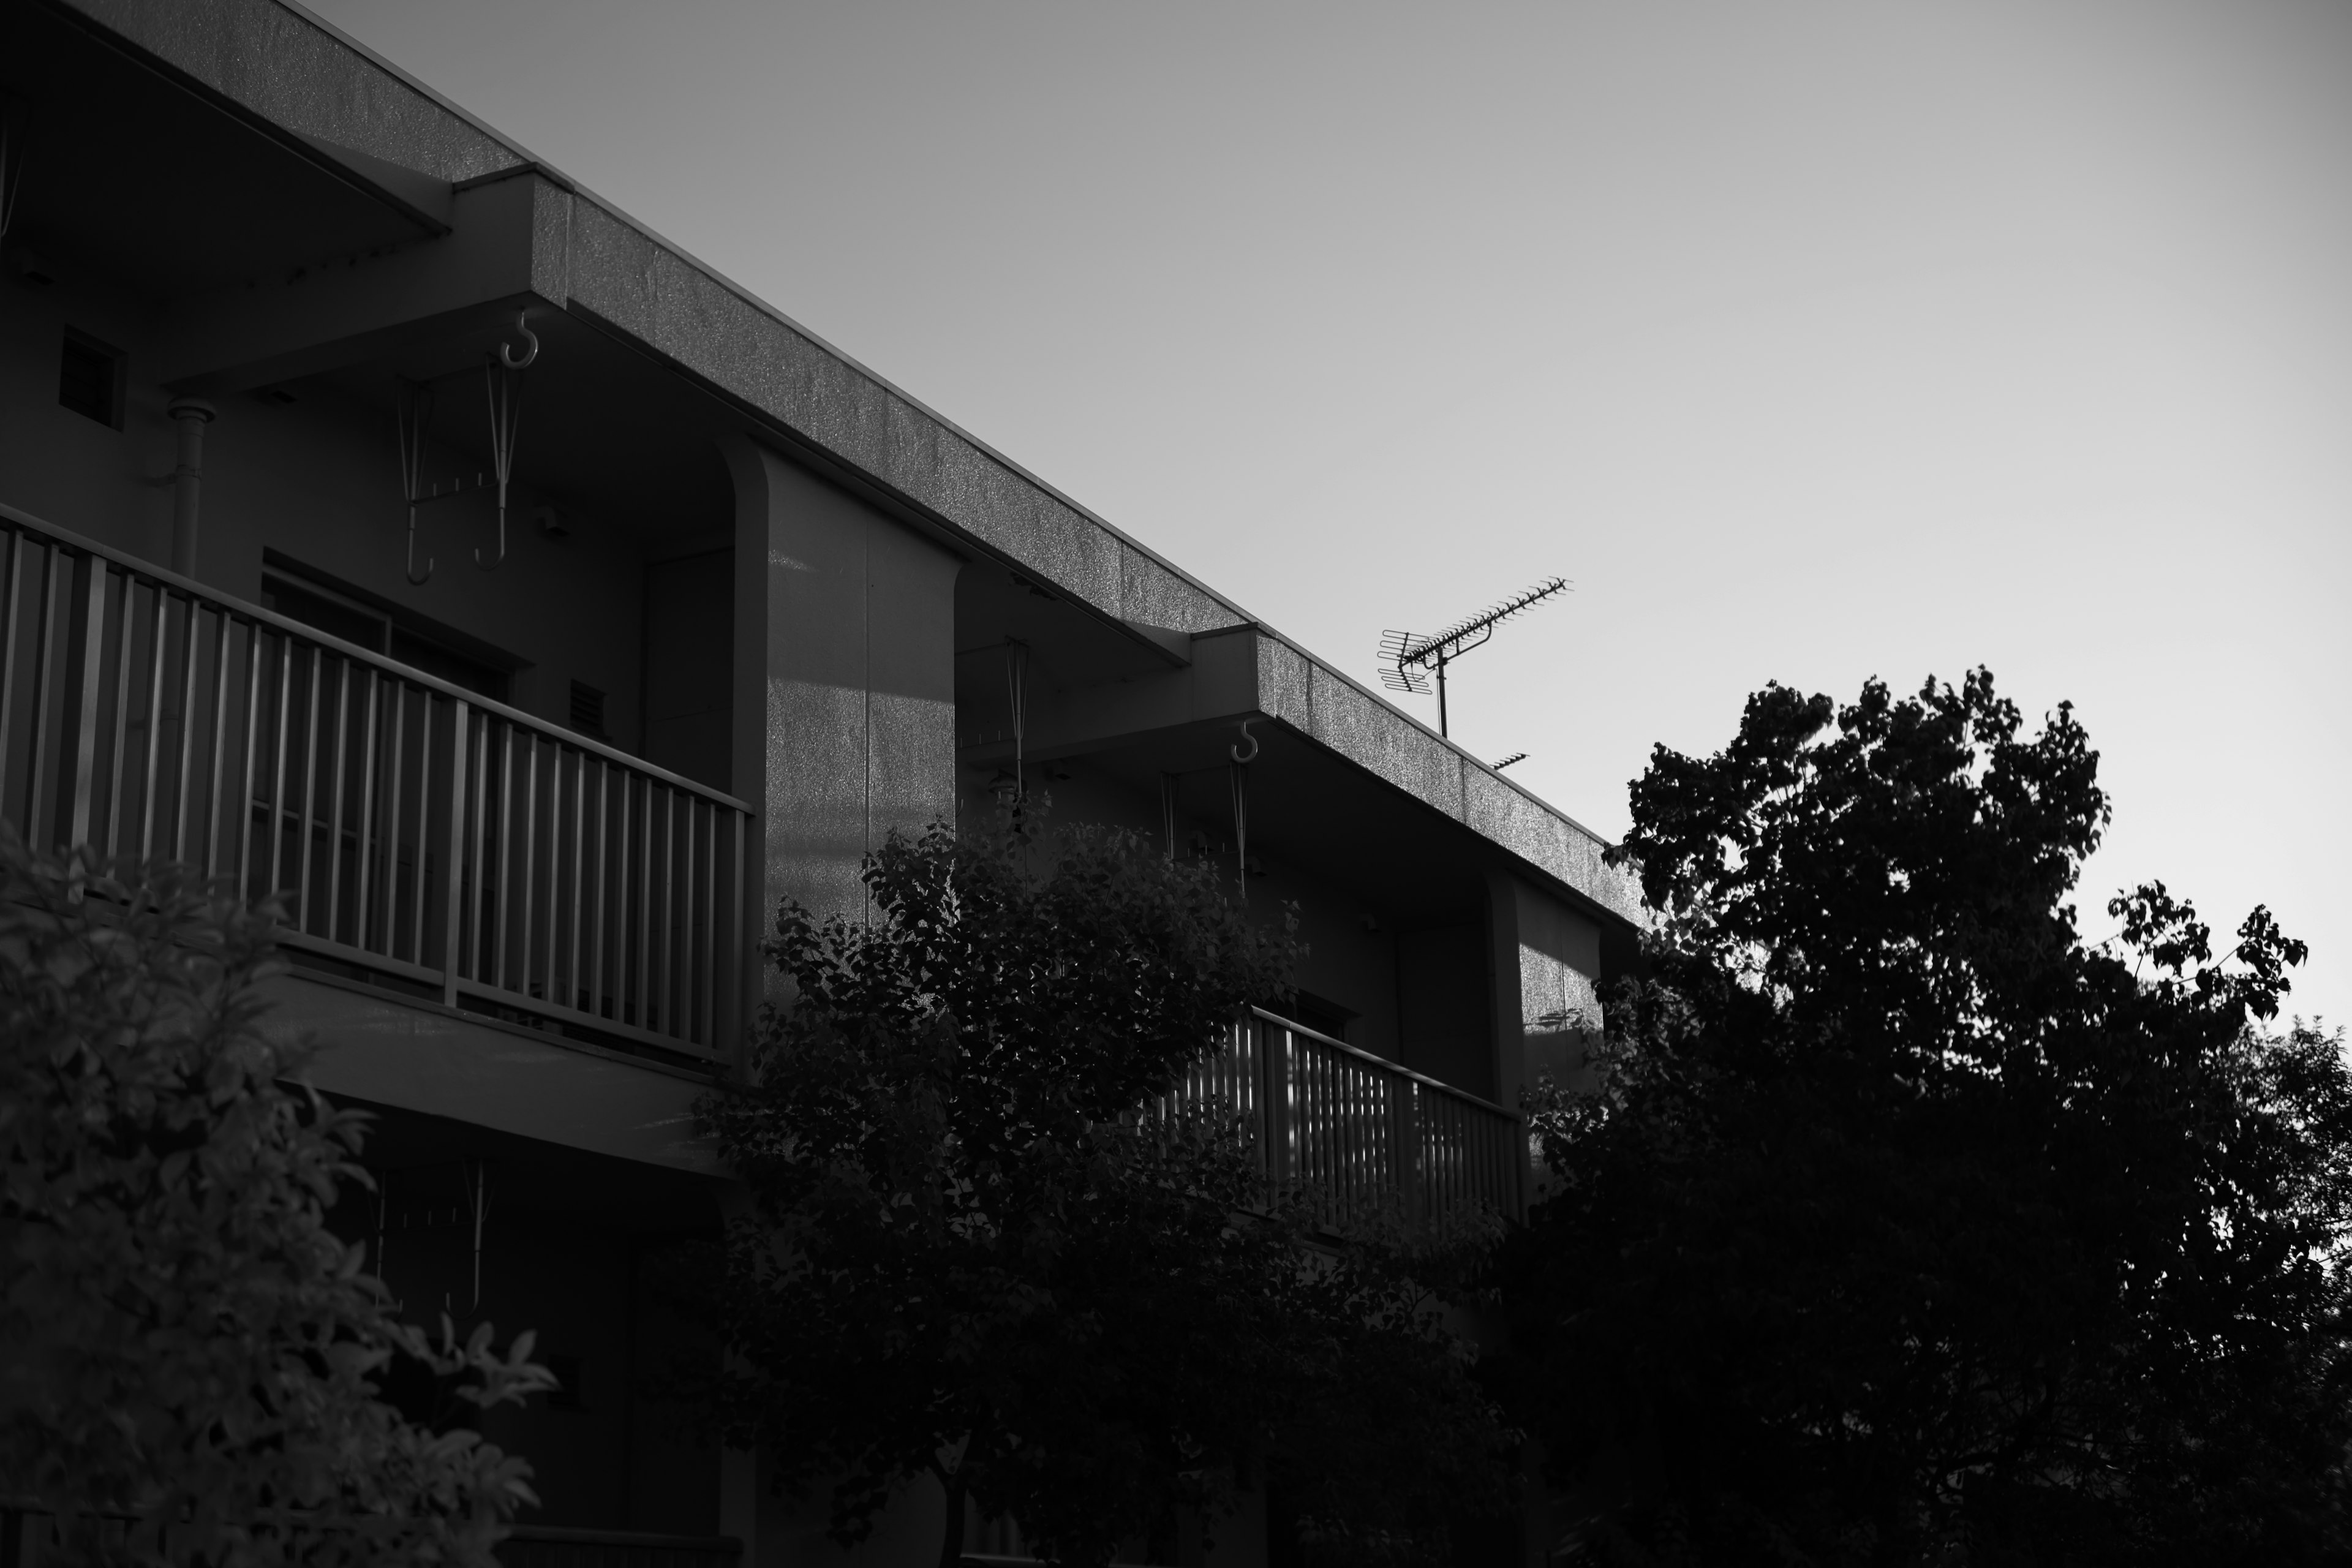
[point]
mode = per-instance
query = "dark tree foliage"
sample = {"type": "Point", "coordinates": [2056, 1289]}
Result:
{"type": "Point", "coordinates": [1386, 1451]}
{"type": "Point", "coordinates": [981, 1246]}
{"type": "Point", "coordinates": [1903, 1226]}
{"type": "Point", "coordinates": [189, 1360]}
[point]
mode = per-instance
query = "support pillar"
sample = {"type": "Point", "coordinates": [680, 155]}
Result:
{"type": "Point", "coordinates": [1546, 974]}
{"type": "Point", "coordinates": [844, 682]}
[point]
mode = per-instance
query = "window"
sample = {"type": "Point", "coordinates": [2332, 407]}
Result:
{"type": "Point", "coordinates": [587, 709]}
{"type": "Point", "coordinates": [332, 616]}
{"type": "Point", "coordinates": [299, 594]}
{"type": "Point", "coordinates": [90, 379]}
{"type": "Point", "coordinates": [1319, 1013]}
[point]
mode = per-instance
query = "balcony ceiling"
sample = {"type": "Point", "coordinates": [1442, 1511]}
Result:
{"type": "Point", "coordinates": [151, 185]}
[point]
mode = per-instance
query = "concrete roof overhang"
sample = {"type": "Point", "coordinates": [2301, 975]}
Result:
{"type": "Point", "coordinates": [135, 173]}
{"type": "Point", "coordinates": [522, 236]}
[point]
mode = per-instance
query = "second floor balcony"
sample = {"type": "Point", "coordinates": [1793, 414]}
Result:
{"type": "Point", "coordinates": [428, 841]}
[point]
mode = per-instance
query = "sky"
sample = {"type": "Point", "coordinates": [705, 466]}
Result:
{"type": "Point", "coordinates": [1811, 342]}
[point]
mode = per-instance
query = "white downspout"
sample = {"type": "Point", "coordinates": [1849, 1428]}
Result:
{"type": "Point", "coordinates": [191, 414]}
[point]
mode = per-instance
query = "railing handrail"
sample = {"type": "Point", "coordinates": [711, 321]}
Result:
{"type": "Point", "coordinates": [232, 603]}
{"type": "Point", "coordinates": [1399, 1068]}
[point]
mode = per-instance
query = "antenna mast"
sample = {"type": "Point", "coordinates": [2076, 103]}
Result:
{"type": "Point", "coordinates": [1409, 656]}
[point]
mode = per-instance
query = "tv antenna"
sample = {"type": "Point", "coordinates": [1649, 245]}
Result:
{"type": "Point", "coordinates": [1409, 656]}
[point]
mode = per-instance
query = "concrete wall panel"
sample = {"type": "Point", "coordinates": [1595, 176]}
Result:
{"type": "Point", "coordinates": [1285, 684]}
{"type": "Point", "coordinates": [846, 692]}
{"type": "Point", "coordinates": [611, 269]}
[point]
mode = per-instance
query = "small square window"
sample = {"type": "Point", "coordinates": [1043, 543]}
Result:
{"type": "Point", "coordinates": [90, 379]}
{"type": "Point", "coordinates": [587, 709]}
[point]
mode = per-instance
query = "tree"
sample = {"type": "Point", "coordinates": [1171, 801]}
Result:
{"type": "Point", "coordinates": [190, 1361]}
{"type": "Point", "coordinates": [1901, 1225]}
{"type": "Point", "coordinates": [983, 1247]}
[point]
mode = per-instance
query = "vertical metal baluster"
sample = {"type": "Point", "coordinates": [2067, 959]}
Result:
{"type": "Point", "coordinates": [526, 885]}
{"type": "Point", "coordinates": [9, 628]}
{"type": "Point", "coordinates": [187, 724]}
{"type": "Point", "coordinates": [154, 722]}
{"type": "Point", "coordinates": [709, 927]}
{"type": "Point", "coordinates": [277, 760]}
{"type": "Point", "coordinates": [341, 740]}
{"type": "Point", "coordinates": [1370, 1111]}
{"type": "Point", "coordinates": [1321, 1120]}
{"type": "Point", "coordinates": [484, 852]}
{"type": "Point", "coordinates": [742, 960]}
{"type": "Point", "coordinates": [388, 882]}
{"type": "Point", "coordinates": [643, 909]}
{"type": "Point", "coordinates": [118, 768]}
{"type": "Point", "coordinates": [43, 666]}
{"type": "Point", "coordinates": [554, 917]}
{"type": "Point", "coordinates": [597, 903]}
{"type": "Point", "coordinates": [1351, 1130]}
{"type": "Point", "coordinates": [1354, 1130]}
{"type": "Point", "coordinates": [363, 852]}
{"type": "Point", "coordinates": [453, 848]}
{"type": "Point", "coordinates": [422, 855]}
{"type": "Point", "coordinates": [573, 992]}
{"type": "Point", "coordinates": [1303, 1120]}
{"type": "Point", "coordinates": [687, 904]}
{"type": "Point", "coordinates": [86, 689]}
{"type": "Point", "coordinates": [218, 727]}
{"type": "Point", "coordinates": [244, 801]}
{"type": "Point", "coordinates": [1335, 1128]}
{"type": "Point", "coordinates": [306, 814]}
{"type": "Point", "coordinates": [86, 680]}
{"type": "Point", "coordinates": [1334, 1120]}
{"type": "Point", "coordinates": [669, 888]}
{"type": "Point", "coordinates": [503, 855]}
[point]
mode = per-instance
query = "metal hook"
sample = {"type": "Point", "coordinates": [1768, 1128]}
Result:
{"type": "Point", "coordinates": [502, 381]}
{"type": "Point", "coordinates": [506, 354]}
{"type": "Point", "coordinates": [413, 413]}
{"type": "Point", "coordinates": [1251, 756]}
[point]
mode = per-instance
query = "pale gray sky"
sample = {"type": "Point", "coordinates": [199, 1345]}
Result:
{"type": "Point", "coordinates": [1812, 340]}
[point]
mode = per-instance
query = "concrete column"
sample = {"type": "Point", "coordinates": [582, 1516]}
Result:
{"type": "Point", "coordinates": [1546, 975]}
{"type": "Point", "coordinates": [843, 681]}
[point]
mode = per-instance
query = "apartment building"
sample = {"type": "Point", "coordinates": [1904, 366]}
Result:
{"type": "Point", "coordinates": [388, 523]}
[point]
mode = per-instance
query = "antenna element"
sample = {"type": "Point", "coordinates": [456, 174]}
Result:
{"type": "Point", "coordinates": [1408, 656]}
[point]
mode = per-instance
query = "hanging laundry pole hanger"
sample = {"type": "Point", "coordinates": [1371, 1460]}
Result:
{"type": "Point", "coordinates": [1409, 657]}
{"type": "Point", "coordinates": [502, 382]}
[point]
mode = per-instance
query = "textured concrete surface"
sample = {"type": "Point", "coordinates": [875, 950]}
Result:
{"type": "Point", "coordinates": [849, 710]}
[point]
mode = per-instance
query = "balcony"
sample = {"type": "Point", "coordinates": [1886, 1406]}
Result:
{"type": "Point", "coordinates": [1363, 1136]}
{"type": "Point", "coordinates": [418, 834]}
{"type": "Point", "coordinates": [437, 842]}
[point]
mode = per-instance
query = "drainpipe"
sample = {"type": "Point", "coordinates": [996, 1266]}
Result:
{"type": "Point", "coordinates": [191, 414]}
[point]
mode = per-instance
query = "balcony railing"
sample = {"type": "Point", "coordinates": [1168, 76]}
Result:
{"type": "Point", "coordinates": [414, 830]}
{"type": "Point", "coordinates": [1362, 1135]}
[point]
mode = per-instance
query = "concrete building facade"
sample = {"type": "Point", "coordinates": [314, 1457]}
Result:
{"type": "Point", "coordinates": [388, 523]}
